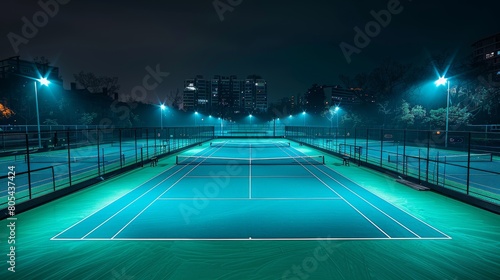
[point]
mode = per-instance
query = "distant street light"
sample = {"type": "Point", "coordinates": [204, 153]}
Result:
{"type": "Point", "coordinates": [44, 82]}
{"type": "Point", "coordinates": [162, 107]}
{"type": "Point", "coordinates": [195, 114]}
{"type": "Point", "coordinates": [304, 115]}
{"type": "Point", "coordinates": [337, 108]}
{"type": "Point", "coordinates": [221, 125]}
{"type": "Point", "coordinates": [439, 82]}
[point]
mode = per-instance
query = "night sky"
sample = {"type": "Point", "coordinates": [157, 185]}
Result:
{"type": "Point", "coordinates": [292, 44]}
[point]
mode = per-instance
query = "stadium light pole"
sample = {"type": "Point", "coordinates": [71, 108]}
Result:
{"type": "Point", "coordinates": [162, 107]}
{"type": "Point", "coordinates": [250, 116]}
{"type": "Point", "coordinates": [337, 108]}
{"type": "Point", "coordinates": [304, 117]}
{"type": "Point", "coordinates": [221, 120]}
{"type": "Point", "coordinates": [43, 82]}
{"type": "Point", "coordinates": [195, 114]}
{"type": "Point", "coordinates": [442, 81]}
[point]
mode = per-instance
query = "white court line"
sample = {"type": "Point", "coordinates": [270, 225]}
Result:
{"type": "Point", "coordinates": [121, 198]}
{"type": "Point", "coordinates": [253, 176]}
{"type": "Point", "coordinates": [411, 215]}
{"type": "Point", "coordinates": [471, 183]}
{"type": "Point", "coordinates": [250, 174]}
{"type": "Point", "coordinates": [255, 239]}
{"type": "Point", "coordinates": [255, 198]}
{"type": "Point", "coordinates": [375, 225]}
{"type": "Point", "coordinates": [169, 188]}
{"type": "Point", "coordinates": [361, 197]}
{"type": "Point", "coordinates": [111, 203]}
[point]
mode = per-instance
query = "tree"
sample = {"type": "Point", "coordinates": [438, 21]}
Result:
{"type": "Point", "coordinates": [385, 110]}
{"type": "Point", "coordinates": [95, 84]}
{"type": "Point", "coordinates": [5, 112]}
{"type": "Point", "coordinates": [331, 113]}
{"type": "Point", "coordinates": [457, 117]}
{"type": "Point", "coordinates": [174, 99]}
{"type": "Point", "coordinates": [406, 117]}
{"type": "Point", "coordinates": [387, 80]}
{"type": "Point", "coordinates": [50, 122]}
{"type": "Point", "coordinates": [419, 115]}
{"type": "Point", "coordinates": [87, 118]}
{"type": "Point", "coordinates": [41, 60]}
{"type": "Point", "coordinates": [351, 119]}
{"type": "Point", "coordinates": [315, 100]}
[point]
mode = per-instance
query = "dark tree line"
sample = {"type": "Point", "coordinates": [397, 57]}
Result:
{"type": "Point", "coordinates": [405, 96]}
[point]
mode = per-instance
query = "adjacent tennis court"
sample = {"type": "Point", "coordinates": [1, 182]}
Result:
{"type": "Point", "coordinates": [240, 190]}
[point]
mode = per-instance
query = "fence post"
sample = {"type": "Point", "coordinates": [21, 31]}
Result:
{"type": "Point", "coordinates": [28, 162]}
{"type": "Point", "coordinates": [147, 142]}
{"type": "Point", "coordinates": [428, 155]}
{"type": "Point", "coordinates": [405, 166]}
{"type": "Point", "coordinates": [98, 154]}
{"type": "Point", "coordinates": [135, 140]}
{"type": "Point", "coordinates": [69, 156]}
{"type": "Point", "coordinates": [120, 153]}
{"type": "Point", "coordinates": [381, 146]}
{"type": "Point", "coordinates": [468, 161]}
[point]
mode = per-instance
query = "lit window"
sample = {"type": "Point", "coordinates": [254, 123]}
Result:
{"type": "Point", "coordinates": [490, 55]}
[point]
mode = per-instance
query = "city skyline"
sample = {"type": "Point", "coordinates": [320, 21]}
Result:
{"type": "Point", "coordinates": [302, 46]}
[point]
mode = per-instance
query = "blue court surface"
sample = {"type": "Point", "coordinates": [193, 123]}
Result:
{"type": "Point", "coordinates": [230, 190]}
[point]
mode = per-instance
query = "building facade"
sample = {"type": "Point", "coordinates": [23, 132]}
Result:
{"type": "Point", "coordinates": [487, 52]}
{"type": "Point", "coordinates": [226, 95]}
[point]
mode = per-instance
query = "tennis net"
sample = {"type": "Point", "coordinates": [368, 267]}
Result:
{"type": "Point", "coordinates": [249, 145]}
{"type": "Point", "coordinates": [57, 159]}
{"type": "Point", "coordinates": [465, 158]}
{"type": "Point", "coordinates": [297, 160]}
{"type": "Point", "coordinates": [448, 158]}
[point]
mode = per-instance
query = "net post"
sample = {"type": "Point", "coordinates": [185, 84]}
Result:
{"type": "Point", "coordinates": [323, 159]}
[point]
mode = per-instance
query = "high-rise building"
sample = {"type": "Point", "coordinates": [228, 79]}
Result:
{"type": "Point", "coordinates": [226, 95]}
{"type": "Point", "coordinates": [487, 52]}
{"type": "Point", "coordinates": [255, 94]}
{"type": "Point", "coordinates": [28, 69]}
{"type": "Point", "coordinates": [197, 94]}
{"type": "Point", "coordinates": [350, 96]}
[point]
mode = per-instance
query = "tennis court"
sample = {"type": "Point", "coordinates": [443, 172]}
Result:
{"type": "Point", "coordinates": [259, 190]}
